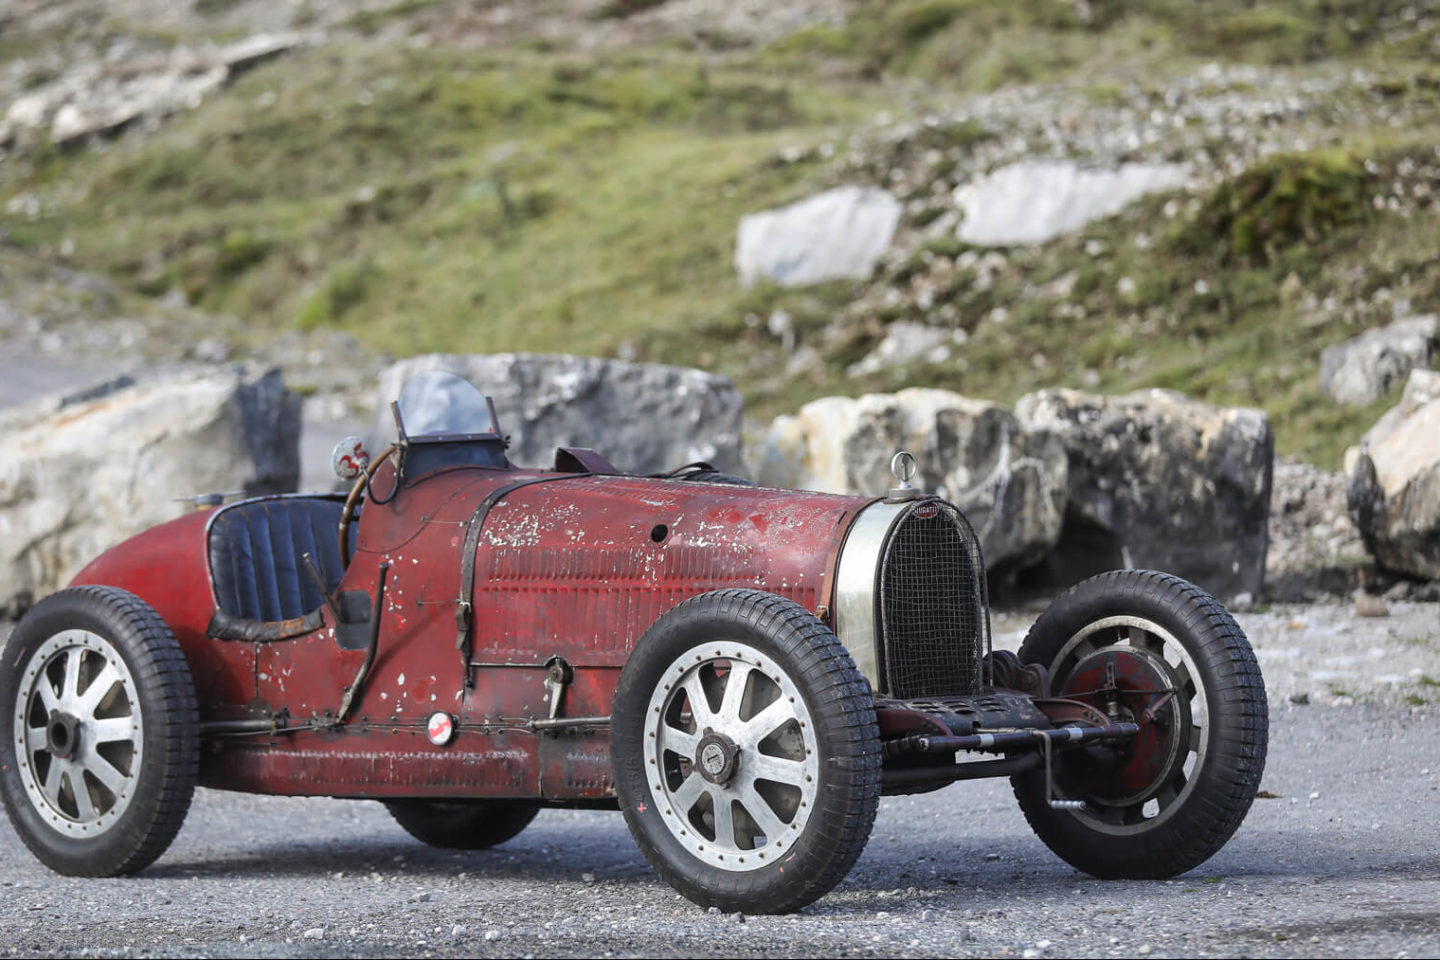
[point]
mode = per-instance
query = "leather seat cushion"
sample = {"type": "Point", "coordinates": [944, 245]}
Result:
{"type": "Point", "coordinates": [255, 556]}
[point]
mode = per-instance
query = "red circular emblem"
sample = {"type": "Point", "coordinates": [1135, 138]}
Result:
{"type": "Point", "coordinates": [441, 729]}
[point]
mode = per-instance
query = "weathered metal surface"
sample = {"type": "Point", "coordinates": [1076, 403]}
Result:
{"type": "Point", "coordinates": [575, 766]}
{"type": "Point", "coordinates": [580, 569]}
{"type": "Point", "coordinates": [222, 626]}
{"type": "Point", "coordinates": [168, 567]}
{"type": "Point", "coordinates": [575, 568]}
{"type": "Point", "coordinates": [380, 764]}
{"type": "Point", "coordinates": [1132, 684]}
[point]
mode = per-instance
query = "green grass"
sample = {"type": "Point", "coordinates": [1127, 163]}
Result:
{"type": "Point", "coordinates": [1235, 327]}
{"type": "Point", "coordinates": [1281, 203]}
{"type": "Point", "coordinates": [975, 44]}
{"type": "Point", "coordinates": [533, 198]}
{"type": "Point", "coordinates": [431, 200]}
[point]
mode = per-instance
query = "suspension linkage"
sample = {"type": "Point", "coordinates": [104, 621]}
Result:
{"type": "Point", "coordinates": [1001, 741]}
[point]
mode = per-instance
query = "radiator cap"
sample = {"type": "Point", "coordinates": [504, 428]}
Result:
{"type": "Point", "coordinates": [903, 468]}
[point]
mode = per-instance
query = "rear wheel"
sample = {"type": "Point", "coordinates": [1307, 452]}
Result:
{"type": "Point", "coordinates": [746, 752]}
{"type": "Point", "coordinates": [99, 739]}
{"type": "Point", "coordinates": [1151, 649]}
{"type": "Point", "coordinates": [462, 824]}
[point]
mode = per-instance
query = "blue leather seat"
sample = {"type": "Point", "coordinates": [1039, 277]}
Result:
{"type": "Point", "coordinates": [255, 556]}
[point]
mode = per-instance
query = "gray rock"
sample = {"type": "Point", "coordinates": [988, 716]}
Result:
{"type": "Point", "coordinates": [1008, 479]}
{"type": "Point", "coordinates": [1035, 201]}
{"type": "Point", "coordinates": [1315, 550]}
{"type": "Point", "coordinates": [645, 418]}
{"type": "Point", "coordinates": [906, 342]}
{"type": "Point", "coordinates": [1367, 605]}
{"type": "Point", "coordinates": [1366, 368]}
{"type": "Point", "coordinates": [1161, 481]}
{"type": "Point", "coordinates": [834, 235]}
{"type": "Point", "coordinates": [1394, 492]}
{"type": "Point", "coordinates": [96, 98]}
{"type": "Point", "coordinates": [86, 472]}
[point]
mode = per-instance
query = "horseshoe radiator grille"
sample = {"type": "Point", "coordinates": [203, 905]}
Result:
{"type": "Point", "coordinates": [932, 604]}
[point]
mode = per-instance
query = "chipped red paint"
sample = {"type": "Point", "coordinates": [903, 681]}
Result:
{"type": "Point", "coordinates": [167, 567]}
{"type": "Point", "coordinates": [577, 567]}
{"type": "Point", "coordinates": [1138, 682]}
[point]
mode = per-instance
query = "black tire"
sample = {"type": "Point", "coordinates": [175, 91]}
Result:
{"type": "Point", "coordinates": [88, 798]}
{"type": "Point", "coordinates": [462, 824]}
{"type": "Point", "coordinates": [793, 750]}
{"type": "Point", "coordinates": [1170, 800]}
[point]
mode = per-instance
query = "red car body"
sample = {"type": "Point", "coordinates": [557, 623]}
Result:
{"type": "Point", "coordinates": [570, 567]}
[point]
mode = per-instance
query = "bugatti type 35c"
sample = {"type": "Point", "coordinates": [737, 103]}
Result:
{"type": "Point", "coordinates": [742, 671]}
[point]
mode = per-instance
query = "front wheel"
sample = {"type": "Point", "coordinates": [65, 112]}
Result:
{"type": "Point", "coordinates": [99, 739]}
{"type": "Point", "coordinates": [1149, 648]}
{"type": "Point", "coordinates": [746, 752]}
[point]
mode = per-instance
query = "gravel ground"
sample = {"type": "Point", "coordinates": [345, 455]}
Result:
{"type": "Point", "coordinates": [1336, 859]}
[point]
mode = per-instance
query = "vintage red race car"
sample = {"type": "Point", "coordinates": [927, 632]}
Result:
{"type": "Point", "coordinates": [742, 671]}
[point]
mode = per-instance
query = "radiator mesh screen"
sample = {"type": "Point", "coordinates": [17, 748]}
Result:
{"type": "Point", "coordinates": [932, 609]}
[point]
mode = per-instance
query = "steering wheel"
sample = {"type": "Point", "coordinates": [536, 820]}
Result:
{"type": "Point", "coordinates": [347, 514]}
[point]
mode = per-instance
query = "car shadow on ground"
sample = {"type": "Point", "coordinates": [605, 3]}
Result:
{"type": "Point", "coordinates": [361, 856]}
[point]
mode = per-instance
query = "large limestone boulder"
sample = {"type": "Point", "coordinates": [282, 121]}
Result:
{"type": "Point", "coordinates": [644, 417]}
{"type": "Point", "coordinates": [1035, 201]}
{"type": "Point", "coordinates": [1161, 481]}
{"type": "Point", "coordinates": [1364, 369]}
{"type": "Point", "coordinates": [1009, 480]}
{"type": "Point", "coordinates": [834, 235]}
{"type": "Point", "coordinates": [1394, 493]}
{"type": "Point", "coordinates": [82, 473]}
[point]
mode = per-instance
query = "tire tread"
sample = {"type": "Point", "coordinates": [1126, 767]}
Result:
{"type": "Point", "coordinates": [843, 705]}
{"type": "Point", "coordinates": [1238, 715]}
{"type": "Point", "coordinates": [158, 667]}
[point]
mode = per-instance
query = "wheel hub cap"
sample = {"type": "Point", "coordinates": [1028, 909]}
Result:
{"type": "Point", "coordinates": [716, 758]}
{"type": "Point", "coordinates": [62, 734]}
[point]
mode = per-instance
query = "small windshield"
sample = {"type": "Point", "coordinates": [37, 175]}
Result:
{"type": "Point", "coordinates": [436, 402]}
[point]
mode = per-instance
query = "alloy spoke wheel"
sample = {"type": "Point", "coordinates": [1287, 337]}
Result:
{"type": "Point", "coordinates": [78, 733]}
{"type": "Point", "coordinates": [731, 750]}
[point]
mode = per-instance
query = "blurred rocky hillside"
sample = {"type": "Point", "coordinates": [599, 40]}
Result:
{"type": "Point", "coordinates": [1238, 201]}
